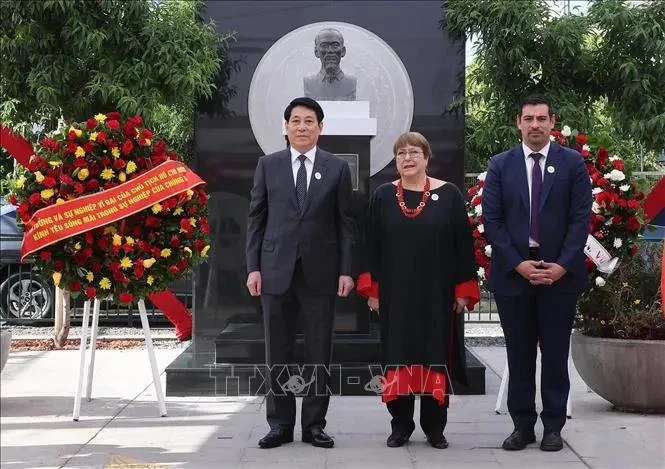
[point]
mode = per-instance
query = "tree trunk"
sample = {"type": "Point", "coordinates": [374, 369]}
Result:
{"type": "Point", "coordinates": [62, 318]}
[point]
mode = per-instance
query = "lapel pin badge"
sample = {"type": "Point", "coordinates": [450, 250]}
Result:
{"type": "Point", "coordinates": [317, 175]}
{"type": "Point", "coordinates": [435, 197]}
{"type": "Point", "coordinates": [550, 169]}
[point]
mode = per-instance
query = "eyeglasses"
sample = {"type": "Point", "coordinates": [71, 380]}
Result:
{"type": "Point", "coordinates": [411, 154]}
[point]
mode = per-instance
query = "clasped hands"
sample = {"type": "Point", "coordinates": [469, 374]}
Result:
{"type": "Point", "coordinates": [540, 272]}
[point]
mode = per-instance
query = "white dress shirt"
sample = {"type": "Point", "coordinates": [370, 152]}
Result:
{"type": "Point", "coordinates": [309, 163]}
{"type": "Point", "coordinates": [529, 167]}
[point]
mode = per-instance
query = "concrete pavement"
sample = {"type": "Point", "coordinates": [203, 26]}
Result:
{"type": "Point", "coordinates": [120, 427]}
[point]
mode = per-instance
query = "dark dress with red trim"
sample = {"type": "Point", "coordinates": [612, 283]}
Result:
{"type": "Point", "coordinates": [419, 265]}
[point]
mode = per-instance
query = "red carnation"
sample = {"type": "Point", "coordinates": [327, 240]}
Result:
{"type": "Point", "coordinates": [96, 266]}
{"type": "Point", "coordinates": [113, 115]}
{"type": "Point", "coordinates": [159, 147]}
{"type": "Point", "coordinates": [175, 242]}
{"type": "Point", "coordinates": [199, 244]}
{"type": "Point", "coordinates": [152, 222]}
{"type": "Point", "coordinates": [618, 164]}
{"type": "Point", "coordinates": [90, 292]}
{"type": "Point", "coordinates": [581, 139]}
{"type": "Point", "coordinates": [156, 253]}
{"type": "Point", "coordinates": [185, 224]}
{"type": "Point", "coordinates": [58, 265]}
{"type": "Point", "coordinates": [602, 157]}
{"type": "Point", "coordinates": [119, 163]}
{"type": "Point", "coordinates": [633, 204]}
{"type": "Point", "coordinates": [66, 179]}
{"type": "Point", "coordinates": [92, 185]}
{"type": "Point", "coordinates": [49, 182]}
{"type": "Point", "coordinates": [173, 269]}
{"type": "Point", "coordinates": [633, 249]}
{"type": "Point", "coordinates": [13, 200]}
{"type": "Point", "coordinates": [75, 286]}
{"type": "Point", "coordinates": [45, 255]}
{"type": "Point", "coordinates": [88, 147]}
{"type": "Point", "coordinates": [34, 198]}
{"type": "Point", "coordinates": [126, 297]}
{"type": "Point", "coordinates": [205, 228]}
{"type": "Point", "coordinates": [127, 147]}
{"type": "Point", "coordinates": [113, 124]}
{"type": "Point", "coordinates": [616, 219]}
{"type": "Point", "coordinates": [138, 271]}
{"type": "Point", "coordinates": [101, 137]}
{"type": "Point", "coordinates": [129, 129]}
{"type": "Point", "coordinates": [602, 182]}
{"type": "Point", "coordinates": [90, 124]}
{"type": "Point", "coordinates": [78, 188]}
{"type": "Point", "coordinates": [632, 224]}
{"type": "Point", "coordinates": [103, 243]}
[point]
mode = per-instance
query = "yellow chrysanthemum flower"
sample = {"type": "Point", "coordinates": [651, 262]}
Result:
{"type": "Point", "coordinates": [189, 193]}
{"type": "Point", "coordinates": [39, 176]}
{"type": "Point", "coordinates": [126, 263]}
{"type": "Point", "coordinates": [122, 177]}
{"type": "Point", "coordinates": [107, 174]}
{"type": "Point", "coordinates": [147, 263]}
{"type": "Point", "coordinates": [101, 118]}
{"type": "Point", "coordinates": [59, 201]}
{"type": "Point", "coordinates": [20, 182]}
{"type": "Point", "coordinates": [93, 136]}
{"type": "Point", "coordinates": [204, 251]}
{"type": "Point", "coordinates": [105, 284]}
{"type": "Point", "coordinates": [117, 240]}
{"type": "Point", "coordinates": [57, 276]}
{"type": "Point", "coordinates": [192, 221]}
{"type": "Point", "coordinates": [77, 246]}
{"type": "Point", "coordinates": [150, 280]}
{"type": "Point", "coordinates": [83, 174]}
{"type": "Point", "coordinates": [177, 211]}
{"type": "Point", "coordinates": [47, 193]}
{"type": "Point", "coordinates": [129, 240]}
{"type": "Point", "coordinates": [156, 208]}
{"type": "Point", "coordinates": [90, 276]}
{"type": "Point", "coordinates": [188, 251]}
{"type": "Point", "coordinates": [55, 163]}
{"type": "Point", "coordinates": [131, 167]}
{"type": "Point", "coordinates": [166, 252]}
{"type": "Point", "coordinates": [79, 152]}
{"type": "Point", "coordinates": [115, 151]}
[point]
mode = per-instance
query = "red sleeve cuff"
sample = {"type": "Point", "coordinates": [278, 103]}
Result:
{"type": "Point", "coordinates": [470, 290]}
{"type": "Point", "coordinates": [367, 287]}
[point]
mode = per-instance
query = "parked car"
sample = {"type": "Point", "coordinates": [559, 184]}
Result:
{"type": "Point", "coordinates": [24, 294]}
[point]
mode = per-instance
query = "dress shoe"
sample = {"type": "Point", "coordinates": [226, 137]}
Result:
{"type": "Point", "coordinates": [400, 436]}
{"type": "Point", "coordinates": [276, 437]}
{"type": "Point", "coordinates": [518, 440]}
{"type": "Point", "coordinates": [317, 437]}
{"type": "Point", "coordinates": [438, 442]}
{"type": "Point", "coordinates": [551, 442]}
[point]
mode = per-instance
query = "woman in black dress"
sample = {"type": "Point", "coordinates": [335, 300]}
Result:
{"type": "Point", "coordinates": [422, 276]}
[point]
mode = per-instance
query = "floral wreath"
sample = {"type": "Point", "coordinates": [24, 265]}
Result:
{"type": "Point", "coordinates": [617, 217]}
{"type": "Point", "coordinates": [132, 257]}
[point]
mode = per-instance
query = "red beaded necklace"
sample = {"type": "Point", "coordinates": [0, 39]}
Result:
{"type": "Point", "coordinates": [412, 212]}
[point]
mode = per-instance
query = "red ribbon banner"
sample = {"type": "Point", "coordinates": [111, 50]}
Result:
{"type": "Point", "coordinates": [54, 223]}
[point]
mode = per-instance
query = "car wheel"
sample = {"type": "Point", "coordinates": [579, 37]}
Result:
{"type": "Point", "coordinates": [25, 295]}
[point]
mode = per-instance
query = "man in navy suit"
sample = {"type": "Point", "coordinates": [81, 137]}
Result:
{"type": "Point", "coordinates": [536, 205]}
{"type": "Point", "coordinates": [300, 236]}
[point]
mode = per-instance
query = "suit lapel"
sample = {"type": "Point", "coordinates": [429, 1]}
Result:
{"type": "Point", "coordinates": [552, 161]}
{"type": "Point", "coordinates": [286, 175]}
{"type": "Point", "coordinates": [519, 166]}
{"type": "Point", "coordinates": [315, 183]}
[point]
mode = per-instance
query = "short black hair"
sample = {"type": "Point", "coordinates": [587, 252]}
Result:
{"type": "Point", "coordinates": [535, 99]}
{"type": "Point", "coordinates": [309, 103]}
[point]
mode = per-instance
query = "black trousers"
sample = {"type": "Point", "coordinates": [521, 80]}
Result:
{"type": "Point", "coordinates": [433, 417]}
{"type": "Point", "coordinates": [280, 316]}
{"type": "Point", "coordinates": [537, 318]}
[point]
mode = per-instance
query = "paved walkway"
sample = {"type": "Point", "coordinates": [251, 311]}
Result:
{"type": "Point", "coordinates": [120, 426]}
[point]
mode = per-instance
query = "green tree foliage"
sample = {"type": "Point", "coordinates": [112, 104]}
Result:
{"type": "Point", "coordinates": [604, 70]}
{"type": "Point", "coordinates": [76, 58]}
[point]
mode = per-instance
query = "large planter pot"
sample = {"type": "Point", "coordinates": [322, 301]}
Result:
{"type": "Point", "coordinates": [628, 373]}
{"type": "Point", "coordinates": [5, 345]}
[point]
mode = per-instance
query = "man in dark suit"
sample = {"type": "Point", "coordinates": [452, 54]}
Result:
{"type": "Point", "coordinates": [536, 205]}
{"type": "Point", "coordinates": [300, 234]}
